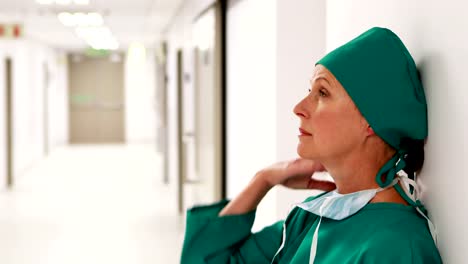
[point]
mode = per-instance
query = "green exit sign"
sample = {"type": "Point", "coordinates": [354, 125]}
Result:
{"type": "Point", "coordinates": [90, 52]}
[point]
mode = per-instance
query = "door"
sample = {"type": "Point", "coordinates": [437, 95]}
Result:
{"type": "Point", "coordinates": [207, 183]}
{"type": "Point", "coordinates": [180, 149]}
{"type": "Point", "coordinates": [9, 121]}
{"type": "Point", "coordinates": [96, 100]}
{"type": "Point", "coordinates": [189, 107]}
{"type": "Point", "coordinates": [162, 115]}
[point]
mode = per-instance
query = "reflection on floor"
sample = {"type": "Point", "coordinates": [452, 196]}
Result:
{"type": "Point", "coordinates": [91, 204]}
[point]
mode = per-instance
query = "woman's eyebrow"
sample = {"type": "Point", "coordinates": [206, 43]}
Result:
{"type": "Point", "coordinates": [320, 77]}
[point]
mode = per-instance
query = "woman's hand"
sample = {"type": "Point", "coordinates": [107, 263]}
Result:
{"type": "Point", "coordinates": [296, 174]}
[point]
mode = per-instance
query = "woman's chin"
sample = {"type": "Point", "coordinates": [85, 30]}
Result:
{"type": "Point", "coordinates": [303, 152]}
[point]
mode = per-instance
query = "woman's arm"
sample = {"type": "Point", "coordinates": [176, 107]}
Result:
{"type": "Point", "coordinates": [295, 174]}
{"type": "Point", "coordinates": [250, 197]}
{"type": "Point", "coordinates": [221, 232]}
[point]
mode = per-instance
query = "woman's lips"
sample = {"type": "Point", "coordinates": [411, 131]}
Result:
{"type": "Point", "coordinates": [304, 133]}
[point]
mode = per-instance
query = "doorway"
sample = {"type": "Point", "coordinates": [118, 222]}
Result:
{"type": "Point", "coordinates": [96, 100]}
{"type": "Point", "coordinates": [209, 106]}
{"type": "Point", "coordinates": [162, 114]}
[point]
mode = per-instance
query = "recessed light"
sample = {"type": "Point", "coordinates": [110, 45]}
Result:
{"type": "Point", "coordinates": [81, 19]}
{"type": "Point", "coordinates": [63, 2]}
{"type": "Point", "coordinates": [67, 19]}
{"type": "Point", "coordinates": [81, 2]}
{"type": "Point", "coordinates": [94, 19]}
{"type": "Point", "coordinates": [45, 2]}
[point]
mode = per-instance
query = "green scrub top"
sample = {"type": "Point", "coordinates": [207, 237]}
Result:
{"type": "Point", "coordinates": [378, 233]}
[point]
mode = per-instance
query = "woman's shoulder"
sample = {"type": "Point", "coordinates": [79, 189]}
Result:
{"type": "Point", "coordinates": [410, 242]}
{"type": "Point", "coordinates": [396, 222]}
{"type": "Point", "coordinates": [398, 225]}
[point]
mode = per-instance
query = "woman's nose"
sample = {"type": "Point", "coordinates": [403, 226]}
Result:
{"type": "Point", "coordinates": [299, 110]}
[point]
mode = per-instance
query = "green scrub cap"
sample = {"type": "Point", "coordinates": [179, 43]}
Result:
{"type": "Point", "coordinates": [380, 76]}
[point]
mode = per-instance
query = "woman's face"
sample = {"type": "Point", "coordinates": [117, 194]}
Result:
{"type": "Point", "coordinates": [331, 125]}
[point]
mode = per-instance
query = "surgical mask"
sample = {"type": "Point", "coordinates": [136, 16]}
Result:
{"type": "Point", "coordinates": [336, 206]}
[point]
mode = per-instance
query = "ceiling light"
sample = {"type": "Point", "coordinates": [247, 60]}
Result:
{"type": "Point", "coordinates": [95, 19]}
{"type": "Point", "coordinates": [99, 38]}
{"type": "Point", "coordinates": [45, 2]}
{"type": "Point", "coordinates": [67, 19]}
{"type": "Point", "coordinates": [81, 2]}
{"type": "Point", "coordinates": [81, 19]}
{"type": "Point", "coordinates": [103, 44]}
{"type": "Point", "coordinates": [92, 32]}
{"type": "Point", "coordinates": [63, 2]}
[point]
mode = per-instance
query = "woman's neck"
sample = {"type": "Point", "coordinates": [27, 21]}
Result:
{"type": "Point", "coordinates": [354, 172]}
{"type": "Point", "coordinates": [357, 172]}
{"type": "Point", "coordinates": [389, 195]}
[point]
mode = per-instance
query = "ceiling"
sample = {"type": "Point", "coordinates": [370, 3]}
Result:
{"type": "Point", "coordinates": [129, 20]}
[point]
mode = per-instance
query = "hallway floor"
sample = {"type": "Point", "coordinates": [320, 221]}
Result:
{"type": "Point", "coordinates": [91, 204]}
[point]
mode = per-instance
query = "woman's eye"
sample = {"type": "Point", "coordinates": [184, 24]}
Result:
{"type": "Point", "coordinates": [322, 93]}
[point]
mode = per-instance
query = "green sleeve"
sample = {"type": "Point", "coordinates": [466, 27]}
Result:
{"type": "Point", "coordinates": [211, 239]}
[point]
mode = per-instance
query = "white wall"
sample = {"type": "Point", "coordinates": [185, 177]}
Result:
{"type": "Point", "coordinates": [58, 113]}
{"type": "Point", "coordinates": [251, 90]}
{"type": "Point", "coordinates": [270, 63]}
{"type": "Point", "coordinates": [435, 34]}
{"type": "Point", "coordinates": [300, 43]}
{"type": "Point", "coordinates": [251, 96]}
{"type": "Point", "coordinates": [27, 108]}
{"type": "Point", "coordinates": [140, 92]}
{"type": "Point", "coordinates": [28, 58]}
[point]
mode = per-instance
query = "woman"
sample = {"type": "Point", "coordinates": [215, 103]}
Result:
{"type": "Point", "coordinates": [364, 121]}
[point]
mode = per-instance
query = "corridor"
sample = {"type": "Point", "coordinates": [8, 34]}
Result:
{"type": "Point", "coordinates": [91, 204]}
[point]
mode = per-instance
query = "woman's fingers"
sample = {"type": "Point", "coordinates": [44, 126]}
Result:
{"type": "Point", "coordinates": [306, 182]}
{"type": "Point", "coordinates": [321, 185]}
{"type": "Point", "coordinates": [292, 174]}
{"type": "Point", "coordinates": [304, 166]}
{"type": "Point", "coordinates": [296, 182]}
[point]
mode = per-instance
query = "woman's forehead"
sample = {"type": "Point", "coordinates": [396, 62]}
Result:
{"type": "Point", "coordinates": [322, 73]}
